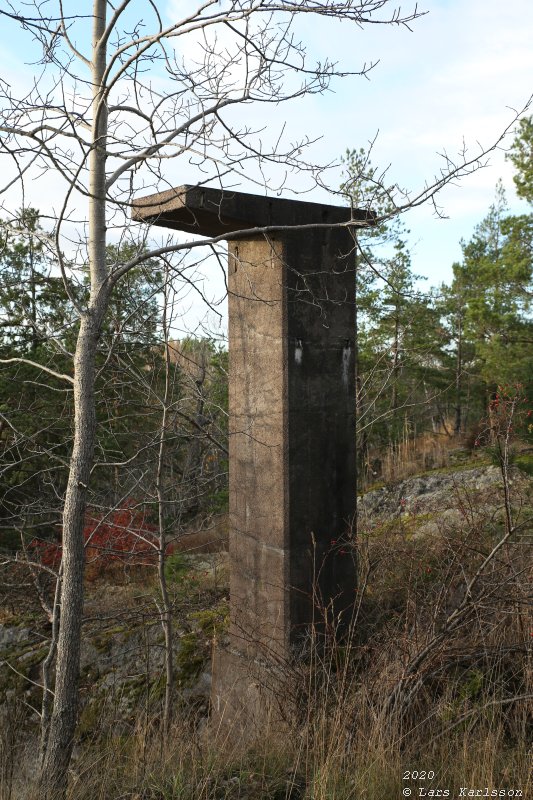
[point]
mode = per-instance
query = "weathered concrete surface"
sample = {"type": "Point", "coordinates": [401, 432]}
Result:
{"type": "Point", "coordinates": [259, 543]}
{"type": "Point", "coordinates": [292, 431]}
{"type": "Point", "coordinates": [211, 212]}
{"type": "Point", "coordinates": [320, 300]}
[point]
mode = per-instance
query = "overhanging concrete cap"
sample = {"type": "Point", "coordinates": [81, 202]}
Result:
{"type": "Point", "coordinates": [215, 212]}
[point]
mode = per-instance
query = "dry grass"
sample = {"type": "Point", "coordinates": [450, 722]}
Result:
{"type": "Point", "coordinates": [316, 764]}
{"type": "Point", "coordinates": [208, 536]}
{"type": "Point", "coordinates": [326, 760]}
{"type": "Point", "coordinates": [413, 455]}
{"type": "Point", "coordinates": [464, 716]}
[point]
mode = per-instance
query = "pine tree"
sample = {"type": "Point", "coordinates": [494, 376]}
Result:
{"type": "Point", "coordinates": [496, 274]}
{"type": "Point", "coordinates": [521, 155]}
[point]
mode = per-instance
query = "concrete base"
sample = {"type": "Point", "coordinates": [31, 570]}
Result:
{"type": "Point", "coordinates": [245, 706]}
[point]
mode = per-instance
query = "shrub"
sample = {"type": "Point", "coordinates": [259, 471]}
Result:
{"type": "Point", "coordinates": [124, 536]}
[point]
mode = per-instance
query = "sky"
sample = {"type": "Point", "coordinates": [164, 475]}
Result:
{"type": "Point", "coordinates": [457, 75]}
{"type": "Point", "coordinates": [455, 79]}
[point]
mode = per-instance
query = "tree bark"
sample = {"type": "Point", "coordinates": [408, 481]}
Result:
{"type": "Point", "coordinates": [166, 609]}
{"type": "Point", "coordinates": [48, 695]}
{"type": "Point", "coordinates": [60, 739]}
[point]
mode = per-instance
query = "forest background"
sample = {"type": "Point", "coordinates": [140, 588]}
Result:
{"type": "Point", "coordinates": [429, 361]}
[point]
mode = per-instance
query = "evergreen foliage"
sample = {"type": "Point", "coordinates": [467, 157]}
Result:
{"type": "Point", "coordinates": [428, 360]}
{"type": "Point", "coordinates": [521, 155]}
{"type": "Point", "coordinates": [432, 360]}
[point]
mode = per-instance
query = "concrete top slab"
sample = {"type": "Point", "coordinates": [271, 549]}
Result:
{"type": "Point", "coordinates": [215, 212]}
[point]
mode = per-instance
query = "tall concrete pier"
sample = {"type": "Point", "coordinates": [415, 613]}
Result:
{"type": "Point", "coordinates": [292, 427]}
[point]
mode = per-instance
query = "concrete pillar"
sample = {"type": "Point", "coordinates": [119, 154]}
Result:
{"type": "Point", "coordinates": [292, 429]}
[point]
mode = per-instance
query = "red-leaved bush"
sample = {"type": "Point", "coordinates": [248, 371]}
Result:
{"type": "Point", "coordinates": [123, 536]}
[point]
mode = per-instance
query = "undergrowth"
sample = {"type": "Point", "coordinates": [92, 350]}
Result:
{"type": "Point", "coordinates": [432, 690]}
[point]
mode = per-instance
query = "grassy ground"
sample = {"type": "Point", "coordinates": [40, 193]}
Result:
{"type": "Point", "coordinates": [410, 701]}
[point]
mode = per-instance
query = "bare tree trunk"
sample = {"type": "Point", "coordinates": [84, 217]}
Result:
{"type": "Point", "coordinates": [166, 622]}
{"type": "Point", "coordinates": [55, 764]}
{"type": "Point", "coordinates": [48, 695]}
{"type": "Point", "coordinates": [165, 610]}
{"type": "Point", "coordinates": [395, 361]}
{"type": "Point", "coordinates": [53, 778]}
